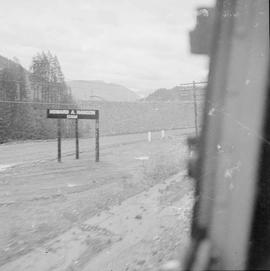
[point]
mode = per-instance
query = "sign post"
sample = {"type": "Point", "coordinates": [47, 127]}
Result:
{"type": "Point", "coordinates": [97, 139]}
{"type": "Point", "coordinates": [77, 138]}
{"type": "Point", "coordinates": [75, 114]}
{"type": "Point", "coordinates": [59, 140]}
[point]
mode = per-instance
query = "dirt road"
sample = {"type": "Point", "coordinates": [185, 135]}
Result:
{"type": "Point", "coordinates": [128, 212]}
{"type": "Point", "coordinates": [15, 153]}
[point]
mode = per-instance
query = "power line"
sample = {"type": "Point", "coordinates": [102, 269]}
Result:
{"type": "Point", "coordinates": [191, 84]}
{"type": "Point", "coordinates": [96, 102]}
{"type": "Point", "coordinates": [40, 82]}
{"type": "Point", "coordinates": [33, 102]}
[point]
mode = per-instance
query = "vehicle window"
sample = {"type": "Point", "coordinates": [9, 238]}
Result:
{"type": "Point", "coordinates": [97, 102]}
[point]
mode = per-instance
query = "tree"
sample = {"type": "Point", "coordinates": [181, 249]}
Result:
{"type": "Point", "coordinates": [47, 79]}
{"type": "Point", "coordinates": [15, 120]}
{"type": "Point", "coordinates": [48, 85]}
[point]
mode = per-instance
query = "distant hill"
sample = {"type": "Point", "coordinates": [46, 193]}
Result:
{"type": "Point", "coordinates": [164, 94]}
{"type": "Point", "coordinates": [144, 93]}
{"type": "Point", "coordinates": [99, 90]}
{"type": "Point", "coordinates": [178, 93]}
{"type": "Point", "coordinates": [5, 62]}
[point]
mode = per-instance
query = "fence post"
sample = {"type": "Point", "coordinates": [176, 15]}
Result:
{"type": "Point", "coordinates": [162, 134]}
{"type": "Point", "coordinates": [149, 135]}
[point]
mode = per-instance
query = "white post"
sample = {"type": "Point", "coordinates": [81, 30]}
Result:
{"type": "Point", "coordinates": [149, 137]}
{"type": "Point", "coordinates": [162, 134]}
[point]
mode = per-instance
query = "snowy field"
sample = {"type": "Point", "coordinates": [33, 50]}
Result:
{"type": "Point", "coordinates": [130, 211]}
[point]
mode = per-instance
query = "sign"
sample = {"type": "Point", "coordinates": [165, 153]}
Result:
{"type": "Point", "coordinates": [75, 114]}
{"type": "Point", "coordinates": [72, 114]}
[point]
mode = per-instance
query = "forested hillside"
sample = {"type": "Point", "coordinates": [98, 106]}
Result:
{"type": "Point", "coordinates": [25, 96]}
{"type": "Point", "coordinates": [21, 91]}
{"type": "Point", "coordinates": [99, 90]}
{"type": "Point", "coordinates": [178, 93]}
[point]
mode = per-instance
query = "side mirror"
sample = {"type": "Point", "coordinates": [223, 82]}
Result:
{"type": "Point", "coordinates": [201, 36]}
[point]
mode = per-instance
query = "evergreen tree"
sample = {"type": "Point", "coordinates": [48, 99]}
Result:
{"type": "Point", "coordinates": [16, 119]}
{"type": "Point", "coordinates": [47, 79]}
{"type": "Point", "coordinates": [48, 84]}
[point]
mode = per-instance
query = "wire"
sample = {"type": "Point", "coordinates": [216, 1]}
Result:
{"type": "Point", "coordinates": [95, 103]}
{"type": "Point", "coordinates": [191, 84]}
{"type": "Point", "coordinates": [28, 81]}
{"type": "Point", "coordinates": [33, 102]}
{"type": "Point", "coordinates": [42, 82]}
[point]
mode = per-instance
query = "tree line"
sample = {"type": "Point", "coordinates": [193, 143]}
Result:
{"type": "Point", "coordinates": [43, 83]}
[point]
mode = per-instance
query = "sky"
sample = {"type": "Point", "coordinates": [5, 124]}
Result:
{"type": "Point", "coordinates": [141, 44]}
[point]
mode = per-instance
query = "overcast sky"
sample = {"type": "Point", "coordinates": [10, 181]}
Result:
{"type": "Point", "coordinates": [142, 44]}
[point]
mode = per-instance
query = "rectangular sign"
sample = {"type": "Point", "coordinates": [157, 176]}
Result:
{"type": "Point", "coordinates": [72, 114]}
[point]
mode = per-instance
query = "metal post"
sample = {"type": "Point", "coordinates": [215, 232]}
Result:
{"type": "Point", "coordinates": [195, 108]}
{"type": "Point", "coordinates": [59, 140]}
{"type": "Point", "coordinates": [77, 138]}
{"type": "Point", "coordinates": [97, 140]}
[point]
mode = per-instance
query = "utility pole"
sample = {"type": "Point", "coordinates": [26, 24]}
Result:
{"type": "Point", "coordinates": [195, 108]}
